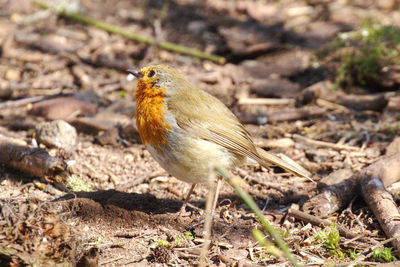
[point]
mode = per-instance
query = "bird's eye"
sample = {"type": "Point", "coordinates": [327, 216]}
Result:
{"type": "Point", "coordinates": [151, 73]}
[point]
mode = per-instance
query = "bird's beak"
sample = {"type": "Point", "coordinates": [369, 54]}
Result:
{"type": "Point", "coordinates": [135, 73]}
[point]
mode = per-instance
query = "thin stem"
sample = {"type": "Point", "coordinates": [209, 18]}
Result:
{"type": "Point", "coordinates": [133, 36]}
{"type": "Point", "coordinates": [234, 182]}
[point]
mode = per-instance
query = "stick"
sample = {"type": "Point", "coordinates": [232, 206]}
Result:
{"type": "Point", "coordinates": [316, 143]}
{"type": "Point", "coordinates": [21, 102]}
{"type": "Point", "coordinates": [379, 200]}
{"type": "Point", "coordinates": [133, 36]}
{"type": "Point", "coordinates": [325, 223]}
{"type": "Point", "coordinates": [266, 101]}
{"type": "Point", "coordinates": [295, 114]}
{"type": "Point", "coordinates": [33, 161]}
{"type": "Point", "coordinates": [335, 196]}
{"type": "Point", "coordinates": [338, 195]}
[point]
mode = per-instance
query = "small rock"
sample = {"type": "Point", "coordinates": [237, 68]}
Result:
{"type": "Point", "coordinates": [197, 26]}
{"type": "Point", "coordinates": [236, 254]}
{"type": "Point", "coordinates": [387, 4]}
{"type": "Point", "coordinates": [300, 10]}
{"type": "Point", "coordinates": [263, 12]}
{"type": "Point", "coordinates": [249, 38]}
{"type": "Point", "coordinates": [109, 137]}
{"type": "Point", "coordinates": [394, 103]}
{"type": "Point", "coordinates": [324, 30]}
{"type": "Point", "coordinates": [63, 108]}
{"type": "Point", "coordinates": [282, 66]}
{"type": "Point", "coordinates": [57, 133]}
{"type": "Point", "coordinates": [393, 147]}
{"type": "Point", "coordinates": [13, 75]}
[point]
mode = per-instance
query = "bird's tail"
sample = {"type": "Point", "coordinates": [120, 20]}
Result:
{"type": "Point", "coordinates": [266, 159]}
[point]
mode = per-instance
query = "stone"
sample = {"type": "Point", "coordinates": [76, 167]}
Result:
{"type": "Point", "coordinates": [57, 134]}
{"type": "Point", "coordinates": [393, 147]}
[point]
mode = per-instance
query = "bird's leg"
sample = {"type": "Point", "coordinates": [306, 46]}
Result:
{"type": "Point", "coordinates": [217, 189]}
{"type": "Point", "coordinates": [182, 210]}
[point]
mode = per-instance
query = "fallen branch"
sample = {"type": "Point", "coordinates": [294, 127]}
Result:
{"type": "Point", "coordinates": [337, 196]}
{"type": "Point", "coordinates": [278, 88]}
{"type": "Point", "coordinates": [379, 200]}
{"type": "Point", "coordinates": [33, 161]}
{"type": "Point", "coordinates": [322, 90]}
{"type": "Point", "coordinates": [375, 102]}
{"type": "Point", "coordinates": [334, 195]}
{"type": "Point", "coordinates": [133, 36]}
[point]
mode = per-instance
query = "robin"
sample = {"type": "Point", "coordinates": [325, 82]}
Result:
{"type": "Point", "coordinates": [190, 132]}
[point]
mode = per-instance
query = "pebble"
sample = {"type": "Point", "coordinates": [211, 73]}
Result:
{"type": "Point", "coordinates": [13, 75]}
{"type": "Point", "coordinates": [57, 134]}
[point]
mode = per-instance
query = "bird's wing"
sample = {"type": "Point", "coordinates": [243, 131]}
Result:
{"type": "Point", "coordinates": [213, 121]}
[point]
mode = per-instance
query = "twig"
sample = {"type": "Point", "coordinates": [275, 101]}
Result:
{"type": "Point", "coordinates": [21, 102]}
{"type": "Point", "coordinates": [234, 182]}
{"type": "Point", "coordinates": [111, 260]}
{"type": "Point", "coordinates": [220, 244]}
{"type": "Point", "coordinates": [33, 161]}
{"type": "Point", "coordinates": [133, 36]}
{"type": "Point", "coordinates": [266, 101]}
{"type": "Point", "coordinates": [330, 105]}
{"type": "Point", "coordinates": [296, 114]}
{"type": "Point", "coordinates": [324, 223]}
{"type": "Point", "coordinates": [316, 143]}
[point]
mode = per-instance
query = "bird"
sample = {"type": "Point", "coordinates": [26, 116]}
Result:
{"type": "Point", "coordinates": [189, 132]}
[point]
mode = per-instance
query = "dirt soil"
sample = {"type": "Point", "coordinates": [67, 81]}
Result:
{"type": "Point", "coordinates": [117, 205]}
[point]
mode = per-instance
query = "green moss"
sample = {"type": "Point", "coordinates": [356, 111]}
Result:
{"type": "Point", "coordinates": [160, 243]}
{"type": "Point", "coordinates": [189, 235]}
{"type": "Point", "coordinates": [331, 236]}
{"type": "Point", "coordinates": [122, 93]}
{"type": "Point", "coordinates": [77, 185]}
{"type": "Point", "coordinates": [383, 254]}
{"type": "Point", "coordinates": [363, 55]}
{"type": "Point", "coordinates": [353, 253]}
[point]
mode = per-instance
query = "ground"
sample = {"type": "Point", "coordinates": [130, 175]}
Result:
{"type": "Point", "coordinates": [116, 206]}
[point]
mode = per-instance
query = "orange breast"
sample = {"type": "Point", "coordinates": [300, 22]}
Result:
{"type": "Point", "coordinates": [150, 112]}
